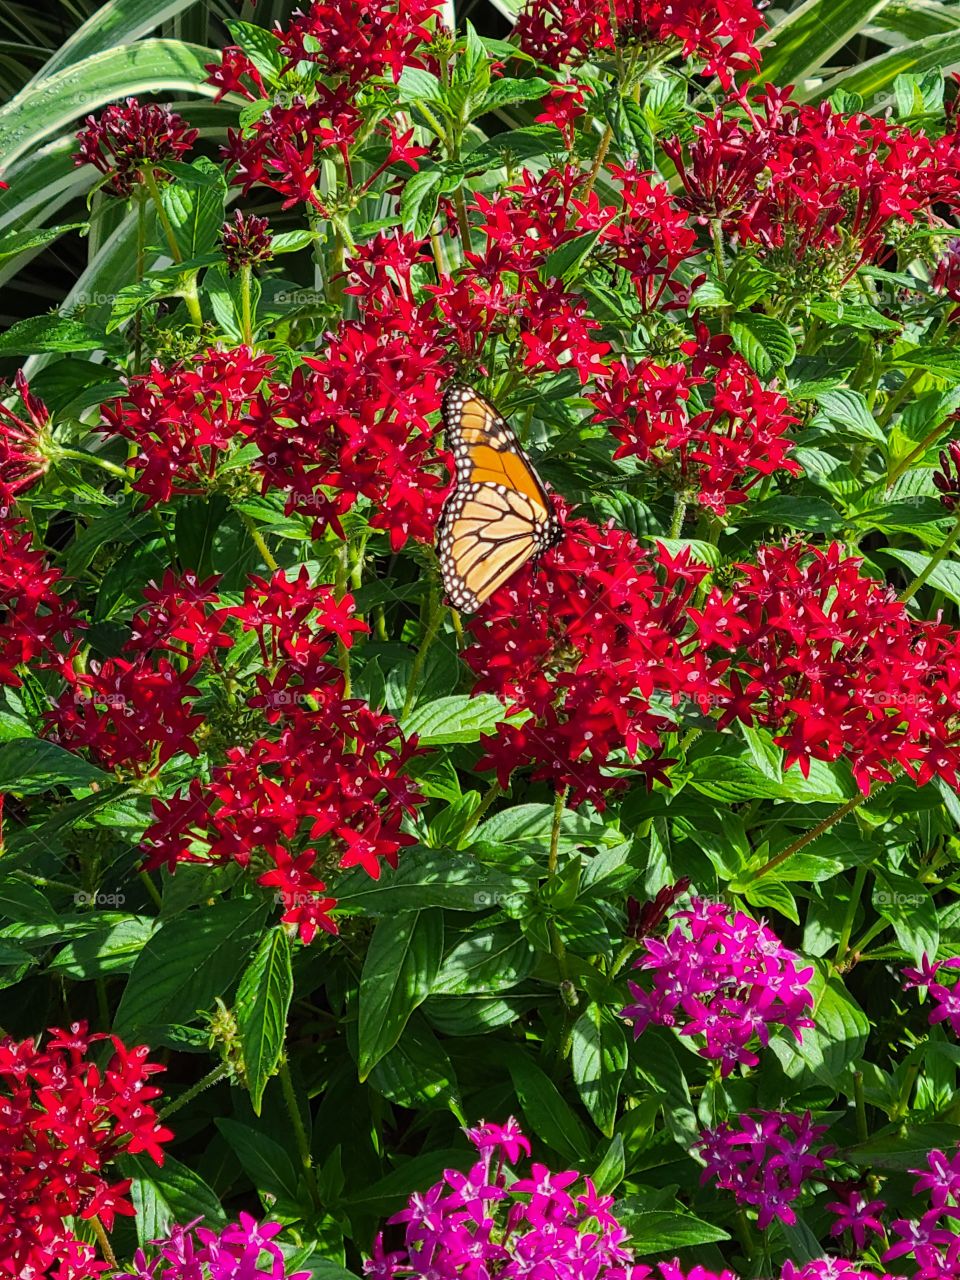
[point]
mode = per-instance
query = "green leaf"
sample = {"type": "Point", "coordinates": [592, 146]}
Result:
{"type": "Point", "coordinates": [764, 342]}
{"type": "Point", "coordinates": [31, 765]}
{"type": "Point", "coordinates": [416, 1073]}
{"type": "Point", "coordinates": [564, 263]}
{"type": "Point", "coordinates": [194, 207]}
{"type": "Point", "coordinates": [599, 1060]}
{"type": "Point", "coordinates": [518, 144]}
{"type": "Point", "coordinates": [418, 83]}
{"type": "Point", "coordinates": [900, 1151]}
{"type": "Point", "coordinates": [609, 1173]}
{"type": "Point", "coordinates": [808, 36]}
{"type": "Point", "coordinates": [15, 242]}
{"type": "Point", "coordinates": [907, 904]}
{"type": "Point", "coordinates": [505, 91]}
{"type": "Point", "coordinates": [764, 753]}
{"type": "Point", "coordinates": [163, 1196]}
{"type": "Point", "coordinates": [264, 1160]}
{"type": "Point", "coordinates": [261, 1007]}
{"type": "Point", "coordinates": [836, 1039]}
{"type": "Point", "coordinates": [942, 362]}
{"type": "Point", "coordinates": [418, 200]}
{"type": "Point", "coordinates": [547, 1112]}
{"type": "Point", "coordinates": [191, 960]}
{"type": "Point", "coordinates": [428, 878]}
{"type": "Point", "coordinates": [114, 23]}
{"type": "Point", "coordinates": [769, 892]}
{"type": "Point", "coordinates": [49, 105]}
{"type": "Point", "coordinates": [945, 577]}
{"type": "Point", "coordinates": [658, 1231]}
{"type": "Point", "coordinates": [491, 960]}
{"type": "Point", "coordinates": [849, 409]}
{"type": "Point", "coordinates": [132, 298]}
{"type": "Point", "coordinates": [446, 721]}
{"type": "Point", "coordinates": [872, 77]}
{"type": "Point", "coordinates": [399, 968]}
{"type": "Point", "coordinates": [113, 948]}
{"type": "Point", "coordinates": [261, 47]}
{"type": "Point", "coordinates": [49, 333]}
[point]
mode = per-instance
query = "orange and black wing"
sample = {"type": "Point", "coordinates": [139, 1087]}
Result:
{"type": "Point", "coordinates": [498, 516]}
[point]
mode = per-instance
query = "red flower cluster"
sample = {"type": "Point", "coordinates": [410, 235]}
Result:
{"type": "Point", "coordinates": [810, 180]}
{"type": "Point", "coordinates": [509, 288]}
{"type": "Point", "coordinates": [651, 238]}
{"type": "Point", "coordinates": [22, 458]}
{"type": "Point", "coordinates": [32, 615]}
{"type": "Point", "coordinates": [834, 664]}
{"type": "Point", "coordinates": [245, 241]}
{"type": "Point", "coordinates": [62, 1121]}
{"type": "Point", "coordinates": [718, 33]}
{"type": "Point", "coordinates": [354, 422]}
{"type": "Point", "coordinates": [355, 40]}
{"type": "Point", "coordinates": [720, 452]}
{"type": "Point", "coordinates": [582, 646]}
{"type": "Point", "coordinates": [327, 789]}
{"type": "Point", "coordinates": [184, 418]}
{"type": "Point", "coordinates": [130, 137]}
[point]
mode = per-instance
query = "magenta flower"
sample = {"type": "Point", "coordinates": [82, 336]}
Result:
{"type": "Point", "coordinates": [244, 1250]}
{"type": "Point", "coordinates": [946, 1000]}
{"type": "Point", "coordinates": [829, 1269]}
{"type": "Point", "coordinates": [726, 983]}
{"type": "Point", "coordinates": [765, 1162]}
{"type": "Point", "coordinates": [487, 1223]}
{"type": "Point", "coordinates": [858, 1215]}
{"type": "Point", "coordinates": [941, 1179]}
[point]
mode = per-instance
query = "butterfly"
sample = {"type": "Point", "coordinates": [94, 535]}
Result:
{"type": "Point", "coordinates": [499, 515]}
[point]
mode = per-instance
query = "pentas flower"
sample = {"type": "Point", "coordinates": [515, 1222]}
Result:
{"type": "Point", "coordinates": [183, 419]}
{"type": "Point", "coordinates": [130, 138]}
{"type": "Point", "coordinates": [765, 1160]}
{"type": "Point", "coordinates": [946, 999]}
{"type": "Point", "coordinates": [22, 456]}
{"type": "Point", "coordinates": [723, 979]}
{"type": "Point", "coordinates": [856, 1215]}
{"type": "Point", "coordinates": [833, 664]}
{"type": "Point", "coordinates": [354, 422]}
{"type": "Point", "coordinates": [63, 1121]}
{"type": "Point", "coordinates": [830, 1269]}
{"type": "Point", "coordinates": [245, 241]}
{"type": "Point", "coordinates": [491, 1222]}
{"type": "Point", "coordinates": [947, 476]}
{"type": "Point", "coordinates": [718, 33]}
{"type": "Point", "coordinates": [235, 73]}
{"type": "Point", "coordinates": [581, 644]}
{"type": "Point", "coordinates": [719, 453]}
{"type": "Point", "coordinates": [650, 239]}
{"type": "Point", "coordinates": [354, 40]}
{"type": "Point", "coordinates": [324, 783]}
{"type": "Point", "coordinates": [243, 1250]}
{"type": "Point", "coordinates": [782, 178]}
{"type": "Point", "coordinates": [32, 614]}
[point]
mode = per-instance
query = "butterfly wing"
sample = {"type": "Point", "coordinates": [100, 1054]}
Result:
{"type": "Point", "coordinates": [498, 516]}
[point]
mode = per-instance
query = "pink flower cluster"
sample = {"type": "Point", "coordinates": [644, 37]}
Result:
{"type": "Point", "coordinates": [726, 982]}
{"type": "Point", "coordinates": [765, 1160]}
{"type": "Point", "coordinates": [946, 1000]}
{"type": "Point", "coordinates": [244, 1250]}
{"type": "Point", "coordinates": [487, 1222]}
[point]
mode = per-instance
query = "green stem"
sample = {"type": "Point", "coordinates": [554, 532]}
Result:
{"type": "Point", "coordinates": [843, 944]}
{"type": "Point", "coordinates": [905, 463]}
{"type": "Point", "coordinates": [143, 196]}
{"type": "Point", "coordinates": [151, 889]}
{"type": "Point", "coordinates": [897, 399]}
{"type": "Point", "coordinates": [902, 1106]}
{"type": "Point", "coordinates": [746, 1235]}
{"type": "Point", "coordinates": [299, 1132]}
{"type": "Point", "coordinates": [258, 541]}
{"type": "Point", "coordinates": [679, 511]}
{"type": "Point", "coordinates": [861, 1106]}
{"type": "Point", "coordinates": [910, 591]}
{"type": "Point", "coordinates": [559, 804]}
{"type": "Point", "coordinates": [601, 155]}
{"type": "Point", "coordinates": [151, 183]}
{"type": "Point", "coordinates": [103, 463]}
{"type": "Point", "coordinates": [103, 1240]}
{"type": "Point", "coordinates": [492, 792]}
{"type": "Point", "coordinates": [813, 834]}
{"type": "Point", "coordinates": [219, 1072]}
{"type": "Point", "coordinates": [437, 611]}
{"type": "Point", "coordinates": [246, 283]}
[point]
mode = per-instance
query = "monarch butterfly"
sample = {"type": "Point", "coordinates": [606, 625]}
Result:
{"type": "Point", "coordinates": [498, 516]}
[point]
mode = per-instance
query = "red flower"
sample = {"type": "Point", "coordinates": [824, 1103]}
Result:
{"type": "Point", "coordinates": [235, 73]}
{"type": "Point", "coordinates": [323, 785]}
{"type": "Point", "coordinates": [582, 646]}
{"type": "Point", "coordinates": [22, 457]}
{"type": "Point", "coordinates": [718, 33]}
{"type": "Point", "coordinates": [947, 477]}
{"type": "Point", "coordinates": [184, 418]}
{"type": "Point", "coordinates": [32, 615]}
{"type": "Point", "coordinates": [245, 241]}
{"type": "Point", "coordinates": [130, 137]}
{"type": "Point", "coordinates": [357, 39]}
{"type": "Point", "coordinates": [62, 1123]}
